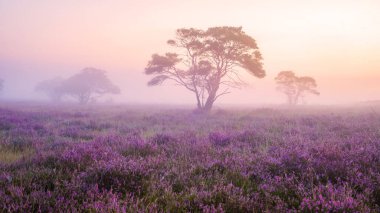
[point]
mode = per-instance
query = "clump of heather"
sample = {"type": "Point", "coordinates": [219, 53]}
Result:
{"type": "Point", "coordinates": [123, 160]}
{"type": "Point", "coordinates": [118, 175]}
{"type": "Point", "coordinates": [332, 198]}
{"type": "Point", "coordinates": [219, 139]}
{"type": "Point", "coordinates": [162, 139]}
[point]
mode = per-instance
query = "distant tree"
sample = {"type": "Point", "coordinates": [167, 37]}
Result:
{"type": "Point", "coordinates": [52, 88]}
{"type": "Point", "coordinates": [206, 61]}
{"type": "Point", "coordinates": [306, 85]}
{"type": "Point", "coordinates": [295, 87]}
{"type": "Point", "coordinates": [286, 83]}
{"type": "Point", "coordinates": [89, 84]}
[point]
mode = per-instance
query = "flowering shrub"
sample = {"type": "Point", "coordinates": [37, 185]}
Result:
{"type": "Point", "coordinates": [162, 139]}
{"type": "Point", "coordinates": [219, 139]}
{"type": "Point", "coordinates": [114, 160]}
{"type": "Point", "coordinates": [330, 198]}
{"type": "Point", "coordinates": [118, 175]}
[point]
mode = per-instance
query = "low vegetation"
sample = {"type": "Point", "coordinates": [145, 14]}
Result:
{"type": "Point", "coordinates": [125, 160]}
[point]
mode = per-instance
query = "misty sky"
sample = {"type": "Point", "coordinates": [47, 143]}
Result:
{"type": "Point", "coordinates": [336, 42]}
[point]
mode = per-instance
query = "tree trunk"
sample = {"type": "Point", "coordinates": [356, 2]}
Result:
{"type": "Point", "coordinates": [199, 104]}
{"type": "Point", "coordinates": [209, 102]}
{"type": "Point", "coordinates": [206, 107]}
{"type": "Point", "coordinates": [212, 95]}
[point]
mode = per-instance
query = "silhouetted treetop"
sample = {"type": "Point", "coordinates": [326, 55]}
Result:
{"type": "Point", "coordinates": [295, 87]}
{"type": "Point", "coordinates": [89, 83]}
{"type": "Point", "coordinates": [159, 64]}
{"type": "Point", "coordinates": [206, 61]}
{"type": "Point", "coordinates": [308, 84]}
{"type": "Point", "coordinates": [84, 86]}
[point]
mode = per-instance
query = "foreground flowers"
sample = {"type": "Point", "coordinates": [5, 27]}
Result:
{"type": "Point", "coordinates": [268, 160]}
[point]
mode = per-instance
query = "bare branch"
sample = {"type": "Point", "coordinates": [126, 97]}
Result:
{"type": "Point", "coordinates": [223, 93]}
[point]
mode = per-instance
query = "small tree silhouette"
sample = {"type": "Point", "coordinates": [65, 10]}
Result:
{"type": "Point", "coordinates": [295, 87]}
{"type": "Point", "coordinates": [89, 84]}
{"type": "Point", "coordinates": [206, 61]}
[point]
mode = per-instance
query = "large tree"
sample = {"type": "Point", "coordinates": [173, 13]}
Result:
{"type": "Point", "coordinates": [89, 84]}
{"type": "Point", "coordinates": [295, 87]}
{"type": "Point", "coordinates": [52, 88]}
{"type": "Point", "coordinates": [207, 62]}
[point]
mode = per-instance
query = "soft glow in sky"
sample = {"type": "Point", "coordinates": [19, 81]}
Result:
{"type": "Point", "coordinates": [336, 42]}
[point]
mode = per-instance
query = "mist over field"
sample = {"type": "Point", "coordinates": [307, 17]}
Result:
{"type": "Point", "coordinates": [336, 42]}
{"type": "Point", "coordinates": [189, 106]}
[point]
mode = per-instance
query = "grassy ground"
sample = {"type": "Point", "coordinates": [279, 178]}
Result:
{"type": "Point", "coordinates": [118, 158]}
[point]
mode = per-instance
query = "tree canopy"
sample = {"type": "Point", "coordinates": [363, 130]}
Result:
{"type": "Point", "coordinates": [89, 84]}
{"type": "Point", "coordinates": [207, 62]}
{"type": "Point", "coordinates": [295, 87]}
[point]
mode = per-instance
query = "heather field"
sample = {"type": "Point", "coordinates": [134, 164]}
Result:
{"type": "Point", "coordinates": [125, 159]}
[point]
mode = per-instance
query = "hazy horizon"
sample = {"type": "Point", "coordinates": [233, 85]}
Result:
{"type": "Point", "coordinates": [336, 42]}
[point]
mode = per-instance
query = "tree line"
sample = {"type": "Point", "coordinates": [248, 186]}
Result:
{"type": "Point", "coordinates": [208, 63]}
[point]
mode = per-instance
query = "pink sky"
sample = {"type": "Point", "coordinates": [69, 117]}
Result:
{"type": "Point", "coordinates": [336, 42]}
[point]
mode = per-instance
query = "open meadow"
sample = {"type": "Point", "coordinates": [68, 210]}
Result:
{"type": "Point", "coordinates": [123, 159]}
{"type": "Point", "coordinates": [190, 106]}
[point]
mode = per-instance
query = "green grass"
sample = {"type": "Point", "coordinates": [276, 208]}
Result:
{"type": "Point", "coordinates": [10, 156]}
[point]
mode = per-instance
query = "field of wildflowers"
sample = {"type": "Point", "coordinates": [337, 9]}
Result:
{"type": "Point", "coordinates": [116, 159]}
